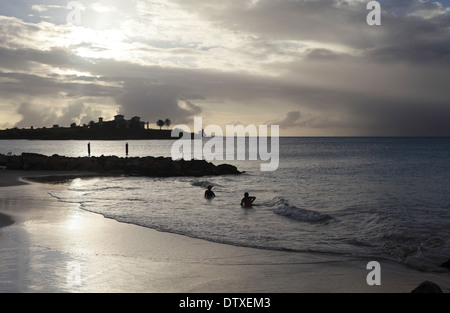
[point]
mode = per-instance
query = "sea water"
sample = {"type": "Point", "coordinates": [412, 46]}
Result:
{"type": "Point", "coordinates": [376, 198]}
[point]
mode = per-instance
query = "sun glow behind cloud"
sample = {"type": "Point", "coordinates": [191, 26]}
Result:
{"type": "Point", "coordinates": [161, 33]}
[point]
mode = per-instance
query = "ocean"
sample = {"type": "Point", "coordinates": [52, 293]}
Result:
{"type": "Point", "coordinates": [371, 198]}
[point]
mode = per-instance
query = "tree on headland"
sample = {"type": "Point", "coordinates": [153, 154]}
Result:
{"type": "Point", "coordinates": [160, 123]}
{"type": "Point", "coordinates": [167, 122]}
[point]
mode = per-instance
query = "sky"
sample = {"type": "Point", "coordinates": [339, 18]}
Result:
{"type": "Point", "coordinates": [313, 67]}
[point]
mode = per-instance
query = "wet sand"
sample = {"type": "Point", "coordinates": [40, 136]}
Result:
{"type": "Point", "coordinates": [57, 247]}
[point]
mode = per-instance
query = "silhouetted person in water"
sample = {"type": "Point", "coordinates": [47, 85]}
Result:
{"type": "Point", "coordinates": [209, 194]}
{"type": "Point", "coordinates": [247, 201]}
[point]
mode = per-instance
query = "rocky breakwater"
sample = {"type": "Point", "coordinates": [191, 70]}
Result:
{"type": "Point", "coordinates": [145, 166]}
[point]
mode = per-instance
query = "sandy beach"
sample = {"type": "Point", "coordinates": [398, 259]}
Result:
{"type": "Point", "coordinates": [49, 246]}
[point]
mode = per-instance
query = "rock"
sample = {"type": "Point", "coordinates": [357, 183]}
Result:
{"type": "Point", "coordinates": [227, 168]}
{"type": "Point", "coordinates": [14, 163]}
{"type": "Point", "coordinates": [427, 287]}
{"type": "Point", "coordinates": [85, 164]}
{"type": "Point", "coordinates": [57, 163]}
{"type": "Point", "coordinates": [446, 264]}
{"type": "Point", "coordinates": [34, 161]}
{"type": "Point", "coordinates": [3, 160]}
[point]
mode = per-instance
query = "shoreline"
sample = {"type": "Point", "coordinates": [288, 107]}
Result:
{"type": "Point", "coordinates": [58, 247]}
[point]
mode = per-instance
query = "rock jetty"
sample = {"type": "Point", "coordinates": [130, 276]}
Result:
{"type": "Point", "coordinates": [446, 264]}
{"type": "Point", "coordinates": [427, 287]}
{"type": "Point", "coordinates": [142, 166]}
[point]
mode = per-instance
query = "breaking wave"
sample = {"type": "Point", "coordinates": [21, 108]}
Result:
{"type": "Point", "coordinates": [284, 208]}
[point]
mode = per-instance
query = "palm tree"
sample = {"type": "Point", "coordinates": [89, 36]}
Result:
{"type": "Point", "coordinates": [167, 122]}
{"type": "Point", "coordinates": [160, 123]}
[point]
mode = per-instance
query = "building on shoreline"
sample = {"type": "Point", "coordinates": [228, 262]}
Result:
{"type": "Point", "coordinates": [120, 122]}
{"type": "Point", "coordinates": [118, 129]}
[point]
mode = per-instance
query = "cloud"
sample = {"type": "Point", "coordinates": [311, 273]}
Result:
{"type": "Point", "coordinates": [291, 120]}
{"type": "Point", "coordinates": [337, 22]}
{"type": "Point", "coordinates": [44, 8]}
{"type": "Point", "coordinates": [48, 115]}
{"type": "Point", "coordinates": [314, 67]}
{"type": "Point", "coordinates": [155, 101]}
{"type": "Point", "coordinates": [35, 112]}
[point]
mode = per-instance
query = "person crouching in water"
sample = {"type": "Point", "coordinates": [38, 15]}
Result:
{"type": "Point", "coordinates": [209, 194]}
{"type": "Point", "coordinates": [247, 201]}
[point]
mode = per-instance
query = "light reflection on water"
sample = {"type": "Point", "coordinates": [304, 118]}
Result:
{"type": "Point", "coordinates": [76, 148]}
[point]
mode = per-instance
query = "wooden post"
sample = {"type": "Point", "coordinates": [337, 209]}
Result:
{"type": "Point", "coordinates": [89, 149]}
{"type": "Point", "coordinates": [126, 148]}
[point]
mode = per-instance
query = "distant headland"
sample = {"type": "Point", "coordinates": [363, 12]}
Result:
{"type": "Point", "coordinates": [117, 129]}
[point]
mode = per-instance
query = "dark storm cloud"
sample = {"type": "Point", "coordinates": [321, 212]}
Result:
{"type": "Point", "coordinates": [394, 84]}
{"type": "Point", "coordinates": [403, 118]}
